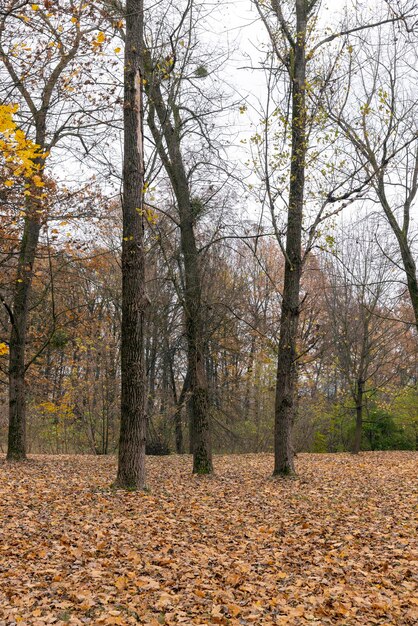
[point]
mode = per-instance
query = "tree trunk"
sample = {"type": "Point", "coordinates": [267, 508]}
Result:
{"type": "Point", "coordinates": [16, 449]}
{"type": "Point", "coordinates": [178, 403]}
{"type": "Point", "coordinates": [286, 384]}
{"type": "Point", "coordinates": [173, 162]}
{"type": "Point", "coordinates": [249, 387]}
{"type": "Point", "coordinates": [401, 235]}
{"type": "Point", "coordinates": [131, 461]}
{"type": "Point", "coordinates": [191, 425]}
{"type": "Point", "coordinates": [359, 417]}
{"type": "Point", "coordinates": [178, 431]}
{"type": "Point", "coordinates": [411, 274]}
{"type": "Point", "coordinates": [199, 400]}
{"type": "Point", "coordinates": [151, 364]}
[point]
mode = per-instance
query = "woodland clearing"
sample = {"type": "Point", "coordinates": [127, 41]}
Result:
{"type": "Point", "coordinates": [337, 545]}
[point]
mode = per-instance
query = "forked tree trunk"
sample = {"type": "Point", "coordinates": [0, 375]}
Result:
{"type": "Point", "coordinates": [131, 461]}
{"type": "Point", "coordinates": [286, 383]}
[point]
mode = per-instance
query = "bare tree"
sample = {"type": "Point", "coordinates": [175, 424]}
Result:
{"type": "Point", "coordinates": [363, 330]}
{"type": "Point", "coordinates": [297, 46]}
{"type": "Point", "coordinates": [377, 114]}
{"type": "Point", "coordinates": [179, 118]}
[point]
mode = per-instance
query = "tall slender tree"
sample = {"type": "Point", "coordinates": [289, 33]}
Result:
{"type": "Point", "coordinates": [358, 296]}
{"type": "Point", "coordinates": [178, 112]}
{"type": "Point", "coordinates": [292, 54]}
{"type": "Point", "coordinates": [131, 462]}
{"type": "Point", "coordinates": [298, 45]}
{"type": "Point", "coordinates": [168, 130]}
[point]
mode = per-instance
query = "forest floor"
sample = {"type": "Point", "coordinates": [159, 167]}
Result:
{"type": "Point", "coordinates": [338, 545]}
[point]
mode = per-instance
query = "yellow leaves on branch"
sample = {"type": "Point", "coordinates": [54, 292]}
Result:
{"type": "Point", "coordinates": [18, 153]}
{"type": "Point", "coordinates": [60, 411]}
{"type": "Point", "coordinates": [4, 349]}
{"type": "Point", "coordinates": [100, 39]}
{"type": "Point", "coordinates": [150, 214]}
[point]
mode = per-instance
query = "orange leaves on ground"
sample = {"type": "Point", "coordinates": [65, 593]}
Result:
{"type": "Point", "coordinates": [336, 546]}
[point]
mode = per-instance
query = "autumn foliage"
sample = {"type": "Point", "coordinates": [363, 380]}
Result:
{"type": "Point", "coordinates": [18, 153]}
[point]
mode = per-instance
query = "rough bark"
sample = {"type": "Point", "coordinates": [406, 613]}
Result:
{"type": "Point", "coordinates": [286, 382]}
{"type": "Point", "coordinates": [16, 450]}
{"type": "Point", "coordinates": [411, 276]}
{"type": "Point", "coordinates": [131, 460]}
{"type": "Point", "coordinates": [199, 394]}
{"type": "Point", "coordinates": [16, 447]}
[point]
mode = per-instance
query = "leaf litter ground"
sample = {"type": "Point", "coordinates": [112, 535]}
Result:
{"type": "Point", "coordinates": [338, 545]}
